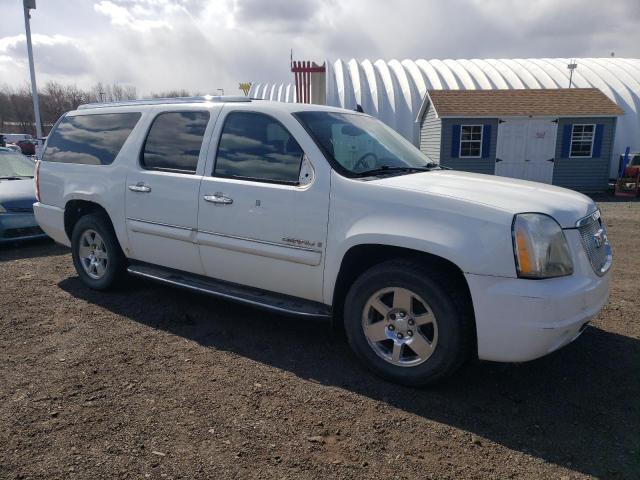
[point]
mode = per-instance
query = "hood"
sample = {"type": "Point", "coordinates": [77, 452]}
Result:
{"type": "Point", "coordinates": [507, 194]}
{"type": "Point", "coordinates": [17, 195]}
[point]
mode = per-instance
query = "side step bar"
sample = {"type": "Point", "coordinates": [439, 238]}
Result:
{"type": "Point", "coordinates": [275, 302]}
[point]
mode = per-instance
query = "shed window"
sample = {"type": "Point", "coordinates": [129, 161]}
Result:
{"type": "Point", "coordinates": [582, 137]}
{"type": "Point", "coordinates": [470, 141]}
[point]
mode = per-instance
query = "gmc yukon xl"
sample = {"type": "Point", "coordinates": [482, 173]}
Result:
{"type": "Point", "coordinates": [322, 212]}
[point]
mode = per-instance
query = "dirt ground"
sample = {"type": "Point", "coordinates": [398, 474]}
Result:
{"type": "Point", "coordinates": [154, 382]}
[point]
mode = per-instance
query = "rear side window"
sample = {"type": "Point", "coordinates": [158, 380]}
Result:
{"type": "Point", "coordinates": [257, 147]}
{"type": "Point", "coordinates": [90, 139]}
{"type": "Point", "coordinates": [174, 141]}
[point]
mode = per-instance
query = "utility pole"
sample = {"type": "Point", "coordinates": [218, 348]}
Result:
{"type": "Point", "coordinates": [31, 4]}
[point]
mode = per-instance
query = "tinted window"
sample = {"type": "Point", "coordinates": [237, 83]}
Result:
{"type": "Point", "coordinates": [174, 141]}
{"type": "Point", "coordinates": [90, 139]}
{"type": "Point", "coordinates": [256, 146]}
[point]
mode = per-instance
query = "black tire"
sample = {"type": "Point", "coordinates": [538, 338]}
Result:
{"type": "Point", "coordinates": [447, 301]}
{"type": "Point", "coordinates": [116, 266]}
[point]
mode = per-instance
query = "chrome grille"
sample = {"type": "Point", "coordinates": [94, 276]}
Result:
{"type": "Point", "coordinates": [595, 243]}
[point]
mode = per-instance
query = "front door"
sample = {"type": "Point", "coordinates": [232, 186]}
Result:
{"type": "Point", "coordinates": [161, 201]}
{"type": "Point", "coordinates": [526, 149]}
{"type": "Point", "coordinates": [264, 206]}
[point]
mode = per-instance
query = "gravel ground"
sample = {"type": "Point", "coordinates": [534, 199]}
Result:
{"type": "Point", "coordinates": [153, 382]}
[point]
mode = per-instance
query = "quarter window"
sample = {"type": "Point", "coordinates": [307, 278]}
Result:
{"type": "Point", "coordinates": [89, 139]}
{"type": "Point", "coordinates": [257, 147]}
{"type": "Point", "coordinates": [174, 141]}
{"type": "Point", "coordinates": [582, 140]}
{"type": "Point", "coordinates": [470, 140]}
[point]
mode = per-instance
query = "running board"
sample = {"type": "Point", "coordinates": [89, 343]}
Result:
{"type": "Point", "coordinates": [275, 302]}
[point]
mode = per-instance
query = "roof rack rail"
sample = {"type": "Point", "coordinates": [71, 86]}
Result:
{"type": "Point", "coordinates": [172, 100]}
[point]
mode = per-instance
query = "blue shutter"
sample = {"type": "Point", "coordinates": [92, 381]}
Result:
{"type": "Point", "coordinates": [597, 141]}
{"type": "Point", "coordinates": [566, 141]}
{"type": "Point", "coordinates": [455, 141]}
{"type": "Point", "coordinates": [486, 140]}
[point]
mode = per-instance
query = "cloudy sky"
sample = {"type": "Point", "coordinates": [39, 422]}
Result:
{"type": "Point", "coordinates": [209, 44]}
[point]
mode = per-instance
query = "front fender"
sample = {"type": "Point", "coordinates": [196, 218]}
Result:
{"type": "Point", "coordinates": [474, 237]}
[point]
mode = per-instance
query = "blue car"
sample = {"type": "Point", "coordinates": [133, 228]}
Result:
{"type": "Point", "coordinates": [17, 195]}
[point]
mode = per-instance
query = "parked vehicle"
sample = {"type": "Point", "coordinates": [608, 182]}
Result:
{"type": "Point", "coordinates": [15, 137]}
{"type": "Point", "coordinates": [28, 147]}
{"type": "Point", "coordinates": [13, 147]}
{"type": "Point", "coordinates": [17, 196]}
{"type": "Point", "coordinates": [322, 212]}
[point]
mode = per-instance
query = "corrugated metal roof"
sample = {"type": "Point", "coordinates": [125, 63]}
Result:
{"type": "Point", "coordinates": [394, 90]}
{"type": "Point", "coordinates": [561, 102]}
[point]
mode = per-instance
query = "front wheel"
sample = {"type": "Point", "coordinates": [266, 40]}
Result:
{"type": "Point", "coordinates": [404, 323]}
{"type": "Point", "coordinates": [96, 252]}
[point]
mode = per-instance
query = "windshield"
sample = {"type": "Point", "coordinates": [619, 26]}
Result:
{"type": "Point", "coordinates": [359, 143]}
{"type": "Point", "coordinates": [15, 165]}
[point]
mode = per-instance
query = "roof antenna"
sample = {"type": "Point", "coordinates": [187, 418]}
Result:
{"type": "Point", "coordinates": [359, 108]}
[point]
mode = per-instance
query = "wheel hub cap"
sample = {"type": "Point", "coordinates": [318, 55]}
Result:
{"type": "Point", "coordinates": [93, 254]}
{"type": "Point", "coordinates": [400, 326]}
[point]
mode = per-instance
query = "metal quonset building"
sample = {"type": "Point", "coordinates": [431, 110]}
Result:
{"type": "Point", "coordinates": [394, 90]}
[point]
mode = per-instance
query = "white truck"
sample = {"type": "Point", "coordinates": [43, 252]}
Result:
{"type": "Point", "coordinates": [322, 212]}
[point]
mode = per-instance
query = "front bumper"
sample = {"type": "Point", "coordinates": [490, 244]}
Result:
{"type": "Point", "coordinates": [15, 227]}
{"type": "Point", "coordinates": [519, 320]}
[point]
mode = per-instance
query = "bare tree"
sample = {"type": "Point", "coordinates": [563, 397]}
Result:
{"type": "Point", "coordinates": [16, 106]}
{"type": "Point", "coordinates": [173, 94]}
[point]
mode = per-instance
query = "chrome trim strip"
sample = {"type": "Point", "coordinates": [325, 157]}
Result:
{"type": "Point", "coordinates": [235, 298]}
{"type": "Point", "coordinates": [235, 237]}
{"type": "Point", "coordinates": [592, 217]}
{"type": "Point", "coordinates": [265, 242]}
{"type": "Point", "coordinates": [161, 224]}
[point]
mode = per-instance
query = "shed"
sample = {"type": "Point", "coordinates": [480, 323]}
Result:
{"type": "Point", "coordinates": [559, 136]}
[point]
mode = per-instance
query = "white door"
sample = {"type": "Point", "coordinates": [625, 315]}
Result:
{"type": "Point", "coordinates": [540, 152]}
{"type": "Point", "coordinates": [526, 149]}
{"type": "Point", "coordinates": [161, 201]}
{"type": "Point", "coordinates": [511, 148]}
{"type": "Point", "coordinates": [263, 207]}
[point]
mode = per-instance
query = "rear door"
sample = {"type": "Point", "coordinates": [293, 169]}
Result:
{"type": "Point", "coordinates": [161, 199]}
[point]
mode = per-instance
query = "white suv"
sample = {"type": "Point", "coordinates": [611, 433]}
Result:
{"type": "Point", "coordinates": [321, 212]}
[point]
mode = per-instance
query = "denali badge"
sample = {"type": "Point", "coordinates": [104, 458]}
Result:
{"type": "Point", "coordinates": [302, 243]}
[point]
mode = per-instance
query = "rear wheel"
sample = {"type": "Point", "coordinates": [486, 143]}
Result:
{"type": "Point", "coordinates": [96, 252]}
{"type": "Point", "coordinates": [406, 323]}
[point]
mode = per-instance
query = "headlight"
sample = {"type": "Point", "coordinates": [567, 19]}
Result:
{"type": "Point", "coordinates": [2, 209]}
{"type": "Point", "coordinates": [540, 247]}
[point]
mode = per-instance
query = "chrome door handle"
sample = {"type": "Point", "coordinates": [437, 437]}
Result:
{"type": "Point", "coordinates": [140, 187]}
{"type": "Point", "coordinates": [218, 198]}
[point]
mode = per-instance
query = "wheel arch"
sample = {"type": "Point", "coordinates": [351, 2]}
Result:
{"type": "Point", "coordinates": [359, 258]}
{"type": "Point", "coordinates": [75, 209]}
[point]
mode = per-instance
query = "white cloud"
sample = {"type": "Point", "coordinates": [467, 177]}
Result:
{"type": "Point", "coordinates": [203, 45]}
{"type": "Point", "coordinates": [136, 18]}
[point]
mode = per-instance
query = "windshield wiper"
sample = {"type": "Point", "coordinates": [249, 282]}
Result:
{"type": "Point", "coordinates": [16, 177]}
{"type": "Point", "coordinates": [389, 169]}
